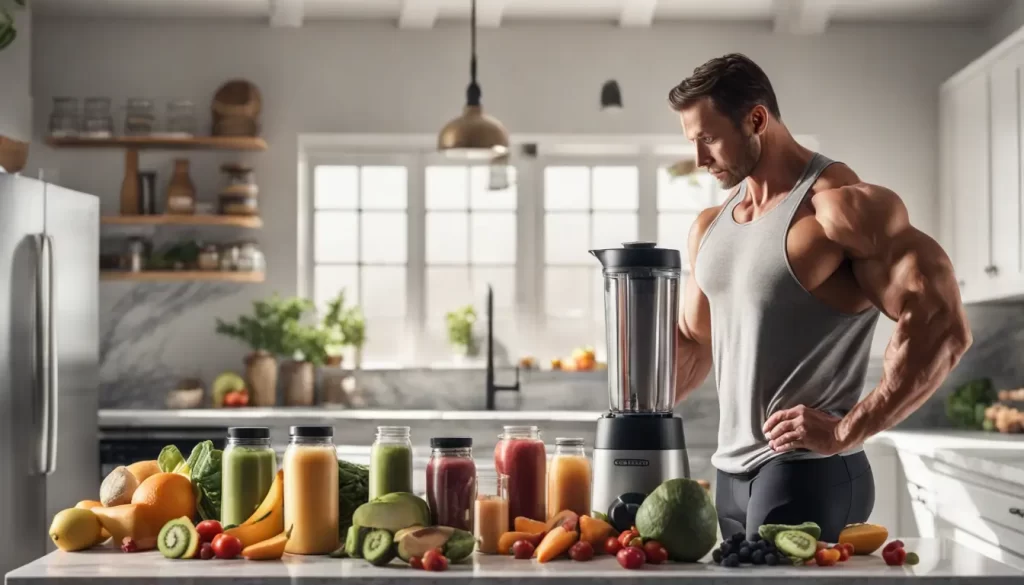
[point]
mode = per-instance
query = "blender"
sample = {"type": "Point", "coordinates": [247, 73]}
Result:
{"type": "Point", "coordinates": [639, 440]}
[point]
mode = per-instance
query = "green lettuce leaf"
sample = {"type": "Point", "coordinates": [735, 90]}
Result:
{"type": "Point", "coordinates": [204, 464]}
{"type": "Point", "coordinates": [170, 459]}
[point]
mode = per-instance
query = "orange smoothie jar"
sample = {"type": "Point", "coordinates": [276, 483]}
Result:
{"type": "Point", "coordinates": [311, 491]}
{"type": "Point", "coordinates": [569, 478]}
{"type": "Point", "coordinates": [490, 512]}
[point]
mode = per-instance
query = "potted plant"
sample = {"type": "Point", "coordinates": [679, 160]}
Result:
{"type": "Point", "coordinates": [266, 332]}
{"type": "Point", "coordinates": [346, 327]}
{"type": "Point", "coordinates": [460, 331]}
{"type": "Point", "coordinates": [308, 347]}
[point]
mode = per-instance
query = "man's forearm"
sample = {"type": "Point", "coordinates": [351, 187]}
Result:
{"type": "Point", "coordinates": [920, 355]}
{"type": "Point", "coordinates": [693, 362]}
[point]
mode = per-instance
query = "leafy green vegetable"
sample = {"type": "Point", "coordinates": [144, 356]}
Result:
{"type": "Point", "coordinates": [170, 459]}
{"type": "Point", "coordinates": [204, 464]}
{"type": "Point", "coordinates": [353, 491]}
{"type": "Point", "coordinates": [965, 407]}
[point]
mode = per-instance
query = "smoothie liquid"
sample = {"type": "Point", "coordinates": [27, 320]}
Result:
{"type": "Point", "coordinates": [390, 462]}
{"type": "Point", "coordinates": [248, 467]}
{"type": "Point", "coordinates": [311, 491]}
{"type": "Point", "coordinates": [451, 482]}
{"type": "Point", "coordinates": [520, 455]}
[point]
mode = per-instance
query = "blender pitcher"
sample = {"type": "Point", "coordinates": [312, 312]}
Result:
{"type": "Point", "coordinates": [641, 311]}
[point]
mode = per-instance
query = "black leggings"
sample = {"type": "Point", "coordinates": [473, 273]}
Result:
{"type": "Point", "coordinates": [832, 492]}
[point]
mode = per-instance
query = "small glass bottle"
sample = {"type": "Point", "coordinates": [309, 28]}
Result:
{"type": "Point", "coordinates": [451, 482]}
{"type": "Point", "coordinates": [569, 478]}
{"type": "Point", "coordinates": [248, 466]}
{"type": "Point", "coordinates": [520, 454]}
{"type": "Point", "coordinates": [311, 491]}
{"type": "Point", "coordinates": [391, 462]}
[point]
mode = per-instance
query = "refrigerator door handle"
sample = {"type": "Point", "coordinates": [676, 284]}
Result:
{"type": "Point", "coordinates": [46, 369]}
{"type": "Point", "coordinates": [51, 378]}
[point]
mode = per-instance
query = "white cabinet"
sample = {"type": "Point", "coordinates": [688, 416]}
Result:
{"type": "Point", "coordinates": [982, 175]}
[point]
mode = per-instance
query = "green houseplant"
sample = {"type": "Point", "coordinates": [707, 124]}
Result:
{"type": "Point", "coordinates": [269, 332]}
{"type": "Point", "coordinates": [460, 330]}
{"type": "Point", "coordinates": [345, 327]}
{"type": "Point", "coordinates": [8, 31]}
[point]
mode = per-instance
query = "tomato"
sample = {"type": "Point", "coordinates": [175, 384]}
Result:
{"type": "Point", "coordinates": [522, 549]}
{"type": "Point", "coordinates": [844, 553]}
{"type": "Point", "coordinates": [826, 557]}
{"type": "Point", "coordinates": [206, 551]}
{"type": "Point", "coordinates": [631, 558]}
{"type": "Point", "coordinates": [581, 551]}
{"type": "Point", "coordinates": [415, 563]}
{"type": "Point", "coordinates": [612, 545]}
{"type": "Point", "coordinates": [892, 545]}
{"type": "Point", "coordinates": [895, 557]}
{"type": "Point", "coordinates": [207, 529]}
{"type": "Point", "coordinates": [226, 546]}
{"type": "Point", "coordinates": [655, 553]}
{"type": "Point", "coordinates": [433, 560]}
{"type": "Point", "coordinates": [627, 536]}
{"type": "Point", "coordinates": [849, 548]}
{"type": "Point", "coordinates": [242, 399]}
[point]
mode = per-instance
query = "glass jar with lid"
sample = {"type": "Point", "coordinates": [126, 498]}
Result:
{"type": "Point", "coordinates": [98, 121]}
{"type": "Point", "coordinates": [65, 119]}
{"type": "Point", "coordinates": [209, 257]}
{"type": "Point", "coordinates": [569, 478]}
{"type": "Point", "coordinates": [311, 491]}
{"type": "Point", "coordinates": [451, 482]}
{"type": "Point", "coordinates": [139, 117]}
{"type": "Point", "coordinates": [248, 467]}
{"type": "Point", "coordinates": [181, 117]}
{"type": "Point", "coordinates": [390, 462]}
{"type": "Point", "coordinates": [520, 454]}
{"type": "Point", "coordinates": [250, 258]}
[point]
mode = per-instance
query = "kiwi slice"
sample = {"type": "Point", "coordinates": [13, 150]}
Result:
{"type": "Point", "coordinates": [796, 543]}
{"type": "Point", "coordinates": [378, 547]}
{"type": "Point", "coordinates": [354, 541]}
{"type": "Point", "coordinates": [178, 539]}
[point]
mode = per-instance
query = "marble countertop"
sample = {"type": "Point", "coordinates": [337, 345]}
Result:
{"type": "Point", "coordinates": [225, 417]}
{"type": "Point", "coordinates": [942, 561]}
{"type": "Point", "coordinates": [995, 455]}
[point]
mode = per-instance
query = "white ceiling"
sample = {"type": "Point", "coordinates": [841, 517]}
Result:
{"type": "Point", "coordinates": [794, 15]}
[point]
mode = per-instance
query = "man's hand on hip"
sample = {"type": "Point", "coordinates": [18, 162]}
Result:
{"type": "Point", "coordinates": [801, 427]}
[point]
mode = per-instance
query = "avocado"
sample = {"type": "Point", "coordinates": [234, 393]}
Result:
{"type": "Point", "coordinates": [393, 514]}
{"type": "Point", "coordinates": [416, 542]}
{"type": "Point", "coordinates": [460, 546]}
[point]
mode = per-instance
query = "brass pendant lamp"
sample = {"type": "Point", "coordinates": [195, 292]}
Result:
{"type": "Point", "coordinates": [473, 135]}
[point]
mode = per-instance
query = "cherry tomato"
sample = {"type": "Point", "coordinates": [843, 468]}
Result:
{"type": "Point", "coordinates": [627, 536]}
{"type": "Point", "coordinates": [895, 557]}
{"type": "Point", "coordinates": [655, 553]}
{"type": "Point", "coordinates": [849, 548]}
{"type": "Point", "coordinates": [226, 546]}
{"type": "Point", "coordinates": [631, 558]}
{"type": "Point", "coordinates": [206, 551]}
{"type": "Point", "coordinates": [207, 529]}
{"type": "Point", "coordinates": [242, 399]}
{"type": "Point", "coordinates": [522, 549]}
{"type": "Point", "coordinates": [128, 545]}
{"type": "Point", "coordinates": [844, 553]}
{"type": "Point", "coordinates": [826, 557]}
{"type": "Point", "coordinates": [892, 545]}
{"type": "Point", "coordinates": [433, 560]}
{"type": "Point", "coordinates": [416, 563]}
{"type": "Point", "coordinates": [581, 551]}
{"type": "Point", "coordinates": [612, 545]}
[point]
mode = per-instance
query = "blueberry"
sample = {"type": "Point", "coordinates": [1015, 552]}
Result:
{"type": "Point", "coordinates": [760, 545]}
{"type": "Point", "coordinates": [745, 555]}
{"type": "Point", "coordinates": [731, 561]}
{"type": "Point", "coordinates": [755, 538]}
{"type": "Point", "coordinates": [771, 559]}
{"type": "Point", "coordinates": [738, 537]}
{"type": "Point", "coordinates": [757, 557]}
{"type": "Point", "coordinates": [716, 555]}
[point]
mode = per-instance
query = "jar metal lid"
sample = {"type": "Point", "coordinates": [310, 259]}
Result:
{"type": "Point", "coordinates": [249, 433]}
{"type": "Point", "coordinates": [451, 442]}
{"type": "Point", "coordinates": [313, 431]}
{"type": "Point", "coordinates": [568, 442]}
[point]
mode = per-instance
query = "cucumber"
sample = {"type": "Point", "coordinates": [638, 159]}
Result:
{"type": "Point", "coordinates": [796, 543]}
{"type": "Point", "coordinates": [354, 541]}
{"type": "Point", "coordinates": [378, 547]}
{"type": "Point", "coordinates": [768, 531]}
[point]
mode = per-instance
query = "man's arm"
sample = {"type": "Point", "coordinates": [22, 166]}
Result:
{"type": "Point", "coordinates": [693, 356]}
{"type": "Point", "coordinates": [909, 277]}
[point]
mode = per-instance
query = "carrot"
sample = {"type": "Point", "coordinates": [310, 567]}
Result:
{"type": "Point", "coordinates": [524, 524]}
{"type": "Point", "coordinates": [506, 540]}
{"type": "Point", "coordinates": [594, 530]}
{"type": "Point", "coordinates": [555, 544]}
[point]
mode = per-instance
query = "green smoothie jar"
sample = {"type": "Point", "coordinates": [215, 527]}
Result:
{"type": "Point", "coordinates": [247, 470]}
{"type": "Point", "coordinates": [391, 462]}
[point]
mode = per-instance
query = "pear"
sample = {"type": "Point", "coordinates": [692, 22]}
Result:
{"type": "Point", "coordinates": [75, 529]}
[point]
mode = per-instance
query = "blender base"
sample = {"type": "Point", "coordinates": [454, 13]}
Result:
{"type": "Point", "coordinates": [633, 455]}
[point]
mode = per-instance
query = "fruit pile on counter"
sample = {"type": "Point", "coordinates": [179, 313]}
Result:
{"type": "Point", "coordinates": [237, 502]}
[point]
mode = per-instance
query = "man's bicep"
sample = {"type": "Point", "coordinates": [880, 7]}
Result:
{"type": "Point", "coordinates": [695, 318]}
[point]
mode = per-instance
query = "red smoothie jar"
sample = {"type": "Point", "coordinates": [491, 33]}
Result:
{"type": "Point", "coordinates": [520, 455]}
{"type": "Point", "coordinates": [451, 482]}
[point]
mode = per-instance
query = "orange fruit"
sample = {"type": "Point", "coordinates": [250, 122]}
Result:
{"type": "Point", "coordinates": [142, 470]}
{"type": "Point", "coordinates": [170, 494]}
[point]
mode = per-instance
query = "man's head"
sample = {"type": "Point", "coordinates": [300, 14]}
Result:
{"type": "Point", "coordinates": [725, 108]}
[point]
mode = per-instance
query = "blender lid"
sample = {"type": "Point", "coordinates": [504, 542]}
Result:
{"type": "Point", "coordinates": [639, 255]}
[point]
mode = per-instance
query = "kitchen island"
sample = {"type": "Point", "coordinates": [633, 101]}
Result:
{"type": "Point", "coordinates": [942, 561]}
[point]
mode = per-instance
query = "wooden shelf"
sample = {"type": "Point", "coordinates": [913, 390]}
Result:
{"type": "Point", "coordinates": [171, 219]}
{"type": "Point", "coordinates": [162, 142]}
{"type": "Point", "coordinates": [181, 275]}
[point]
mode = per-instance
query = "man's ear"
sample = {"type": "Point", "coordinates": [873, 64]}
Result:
{"type": "Point", "coordinates": [758, 119]}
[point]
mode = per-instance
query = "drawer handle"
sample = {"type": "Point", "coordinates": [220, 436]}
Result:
{"type": "Point", "coordinates": [1017, 512]}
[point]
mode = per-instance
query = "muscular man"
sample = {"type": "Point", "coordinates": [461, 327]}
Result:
{"type": "Point", "coordinates": [789, 276]}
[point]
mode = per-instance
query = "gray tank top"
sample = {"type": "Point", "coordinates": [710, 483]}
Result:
{"type": "Point", "coordinates": [775, 345]}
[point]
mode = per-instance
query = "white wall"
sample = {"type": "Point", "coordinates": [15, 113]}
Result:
{"type": "Point", "coordinates": [869, 94]}
{"type": "Point", "coordinates": [1006, 22]}
{"type": "Point", "coordinates": [15, 79]}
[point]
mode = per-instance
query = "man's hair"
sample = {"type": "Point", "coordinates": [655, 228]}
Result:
{"type": "Point", "coordinates": [734, 83]}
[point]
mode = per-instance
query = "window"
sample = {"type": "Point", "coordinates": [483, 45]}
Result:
{"type": "Point", "coordinates": [585, 208]}
{"type": "Point", "coordinates": [360, 230]}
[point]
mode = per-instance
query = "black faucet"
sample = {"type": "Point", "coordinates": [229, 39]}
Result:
{"type": "Point", "coordinates": [493, 388]}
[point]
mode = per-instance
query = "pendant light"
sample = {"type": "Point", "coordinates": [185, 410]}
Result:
{"type": "Point", "coordinates": [611, 96]}
{"type": "Point", "coordinates": [474, 134]}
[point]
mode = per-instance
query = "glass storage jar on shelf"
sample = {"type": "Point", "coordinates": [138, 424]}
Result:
{"type": "Point", "coordinates": [209, 257]}
{"type": "Point", "coordinates": [250, 258]}
{"type": "Point", "coordinates": [98, 121]}
{"type": "Point", "coordinates": [181, 118]}
{"type": "Point", "coordinates": [238, 195]}
{"type": "Point", "coordinates": [229, 254]}
{"type": "Point", "coordinates": [139, 117]}
{"type": "Point", "coordinates": [65, 119]}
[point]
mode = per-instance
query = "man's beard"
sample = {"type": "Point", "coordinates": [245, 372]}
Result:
{"type": "Point", "coordinates": [749, 156]}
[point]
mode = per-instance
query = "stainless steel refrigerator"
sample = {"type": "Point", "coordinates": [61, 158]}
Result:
{"type": "Point", "coordinates": [49, 280]}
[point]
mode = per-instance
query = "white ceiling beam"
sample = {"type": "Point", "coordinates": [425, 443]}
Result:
{"type": "Point", "coordinates": [801, 17]}
{"type": "Point", "coordinates": [637, 13]}
{"type": "Point", "coordinates": [287, 13]}
{"type": "Point", "coordinates": [489, 13]}
{"type": "Point", "coordinates": [418, 14]}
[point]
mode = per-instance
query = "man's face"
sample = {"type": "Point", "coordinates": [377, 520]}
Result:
{"type": "Point", "coordinates": [727, 152]}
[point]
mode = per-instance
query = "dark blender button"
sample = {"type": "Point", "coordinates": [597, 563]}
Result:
{"type": "Point", "coordinates": [623, 510]}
